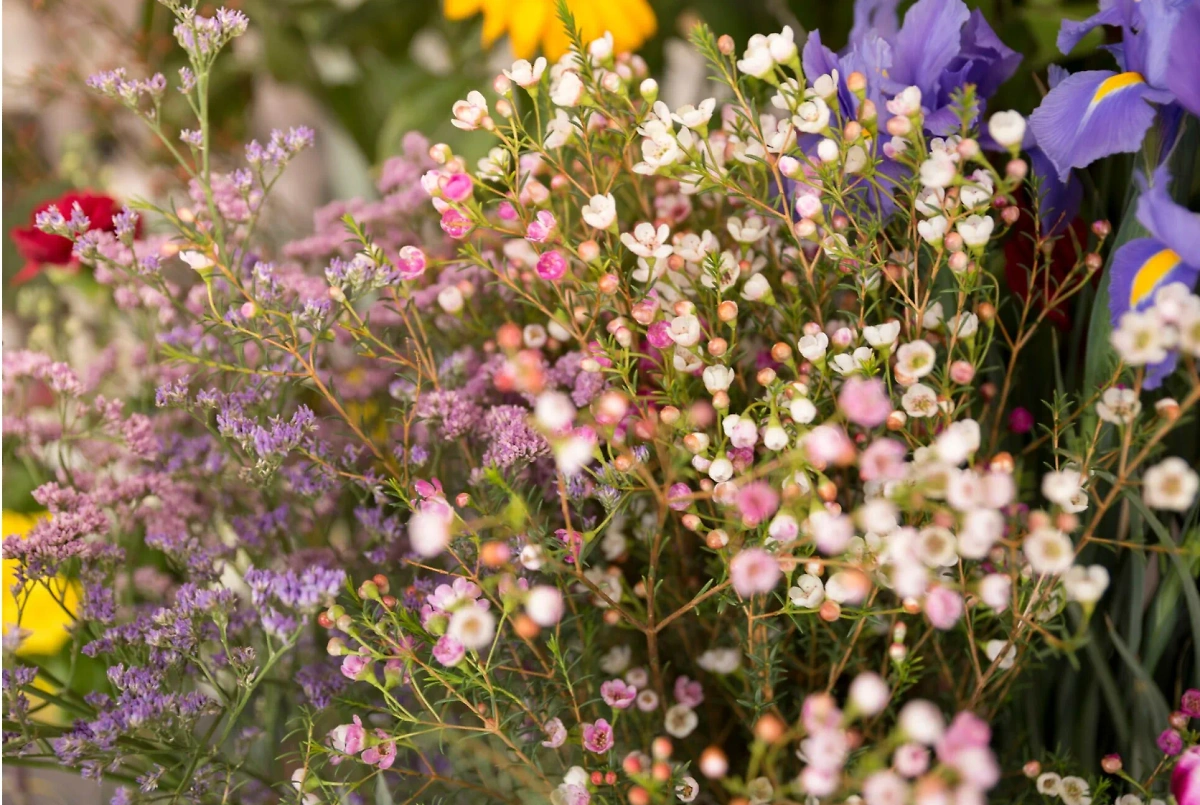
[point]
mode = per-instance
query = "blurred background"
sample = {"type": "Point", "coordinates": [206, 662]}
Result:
{"type": "Point", "coordinates": [362, 73]}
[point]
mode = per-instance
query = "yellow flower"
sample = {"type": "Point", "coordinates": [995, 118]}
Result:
{"type": "Point", "coordinates": [43, 617]}
{"type": "Point", "coordinates": [530, 23]}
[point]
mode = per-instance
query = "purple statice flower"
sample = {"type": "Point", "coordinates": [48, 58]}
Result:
{"type": "Point", "coordinates": [321, 682]}
{"type": "Point", "coordinates": [1142, 266]}
{"type": "Point", "coordinates": [511, 440]}
{"type": "Point", "coordinates": [1095, 113]}
{"type": "Point", "coordinates": [304, 591]}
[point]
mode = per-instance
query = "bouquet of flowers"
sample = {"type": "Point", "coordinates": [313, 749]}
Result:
{"type": "Point", "coordinates": [666, 455]}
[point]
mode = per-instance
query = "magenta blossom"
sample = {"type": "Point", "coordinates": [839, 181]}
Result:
{"type": "Point", "coordinates": [1185, 778]}
{"type": "Point", "coordinates": [539, 228]}
{"type": "Point", "coordinates": [1020, 420]}
{"type": "Point", "coordinates": [757, 501]}
{"type": "Point", "coordinates": [411, 263]}
{"type": "Point", "coordinates": [943, 607]}
{"type": "Point", "coordinates": [349, 739]}
{"type": "Point", "coordinates": [551, 266]}
{"type": "Point", "coordinates": [1170, 742]}
{"type": "Point", "coordinates": [455, 224]}
{"type": "Point", "coordinates": [1189, 703]}
{"type": "Point", "coordinates": [754, 571]}
{"type": "Point", "coordinates": [659, 335]}
{"type": "Point", "coordinates": [506, 211]}
{"type": "Point", "coordinates": [458, 187]}
{"type": "Point", "coordinates": [618, 693]}
{"type": "Point", "coordinates": [598, 737]}
{"type": "Point", "coordinates": [865, 401]}
{"type": "Point", "coordinates": [689, 692]}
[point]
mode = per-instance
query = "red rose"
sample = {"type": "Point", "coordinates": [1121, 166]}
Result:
{"type": "Point", "coordinates": [40, 249]}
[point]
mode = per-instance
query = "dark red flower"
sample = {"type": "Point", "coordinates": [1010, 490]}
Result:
{"type": "Point", "coordinates": [1019, 254]}
{"type": "Point", "coordinates": [40, 249]}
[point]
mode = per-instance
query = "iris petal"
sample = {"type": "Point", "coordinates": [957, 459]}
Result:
{"type": "Point", "coordinates": [1139, 269]}
{"type": "Point", "coordinates": [1183, 60]}
{"type": "Point", "coordinates": [1088, 116]}
{"type": "Point", "coordinates": [1176, 226]}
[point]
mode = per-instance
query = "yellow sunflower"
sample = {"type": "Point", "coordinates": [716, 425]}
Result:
{"type": "Point", "coordinates": [43, 617]}
{"type": "Point", "coordinates": [533, 23]}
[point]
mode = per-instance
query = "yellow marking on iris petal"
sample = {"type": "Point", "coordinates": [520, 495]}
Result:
{"type": "Point", "coordinates": [1151, 273]}
{"type": "Point", "coordinates": [1116, 83]}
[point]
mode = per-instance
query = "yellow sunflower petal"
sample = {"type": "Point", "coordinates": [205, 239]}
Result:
{"type": "Point", "coordinates": [632, 24]}
{"type": "Point", "coordinates": [43, 617]}
{"type": "Point", "coordinates": [529, 21]}
{"type": "Point", "coordinates": [461, 9]}
{"type": "Point", "coordinates": [495, 21]}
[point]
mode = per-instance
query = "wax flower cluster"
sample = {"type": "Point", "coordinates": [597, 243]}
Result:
{"type": "Point", "coordinates": [661, 455]}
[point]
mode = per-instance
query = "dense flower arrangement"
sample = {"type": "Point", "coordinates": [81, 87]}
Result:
{"type": "Point", "coordinates": [667, 455]}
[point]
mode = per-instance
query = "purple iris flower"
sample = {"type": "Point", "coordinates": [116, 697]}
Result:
{"type": "Point", "coordinates": [1142, 266]}
{"type": "Point", "coordinates": [940, 46]}
{"type": "Point", "coordinates": [1095, 113]}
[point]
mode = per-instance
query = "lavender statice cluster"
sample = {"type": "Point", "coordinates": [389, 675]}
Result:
{"type": "Point", "coordinates": [661, 455]}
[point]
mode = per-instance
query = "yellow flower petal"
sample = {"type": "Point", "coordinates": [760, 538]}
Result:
{"type": "Point", "coordinates": [43, 617]}
{"type": "Point", "coordinates": [461, 9]}
{"type": "Point", "coordinates": [529, 21]}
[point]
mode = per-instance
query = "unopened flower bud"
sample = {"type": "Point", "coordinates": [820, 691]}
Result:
{"type": "Point", "coordinates": [669, 415]}
{"type": "Point", "coordinates": [856, 82]}
{"type": "Point", "coordinates": [716, 539]}
{"type": "Point", "coordinates": [727, 311]}
{"type": "Point", "coordinates": [1032, 769]}
{"type": "Point", "coordinates": [525, 627]}
{"type": "Point", "coordinates": [1093, 261]}
{"type": "Point", "coordinates": [896, 420]}
{"type": "Point", "coordinates": [1111, 764]}
{"type": "Point", "coordinates": [589, 250]}
{"type": "Point", "coordinates": [770, 728]}
{"type": "Point", "coordinates": [968, 149]}
{"type": "Point", "coordinates": [1167, 408]}
{"type": "Point", "coordinates": [717, 347]}
{"type": "Point", "coordinates": [638, 796]}
{"type": "Point", "coordinates": [608, 284]}
{"type": "Point", "coordinates": [713, 763]}
{"type": "Point", "coordinates": [1101, 228]}
{"type": "Point", "coordinates": [765, 376]}
{"type": "Point", "coordinates": [1016, 169]}
{"type": "Point", "coordinates": [899, 126]}
{"type": "Point", "coordinates": [867, 111]}
{"type": "Point", "coordinates": [649, 90]}
{"type": "Point", "coordinates": [726, 45]}
{"type": "Point", "coordinates": [781, 352]}
{"type": "Point", "coordinates": [495, 553]}
{"type": "Point", "coordinates": [661, 748]}
{"type": "Point", "coordinates": [830, 611]}
{"type": "Point", "coordinates": [1010, 215]}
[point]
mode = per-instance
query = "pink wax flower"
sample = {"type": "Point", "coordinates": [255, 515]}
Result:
{"type": "Point", "coordinates": [556, 733]}
{"type": "Point", "coordinates": [678, 497]}
{"type": "Point", "coordinates": [540, 227]}
{"type": "Point", "coordinates": [689, 692]}
{"type": "Point", "coordinates": [754, 571]}
{"type": "Point", "coordinates": [757, 501]}
{"type": "Point", "coordinates": [448, 651]}
{"type": "Point", "coordinates": [659, 335]}
{"type": "Point", "coordinates": [883, 460]}
{"type": "Point", "coordinates": [551, 266]}
{"type": "Point", "coordinates": [828, 444]}
{"type": "Point", "coordinates": [382, 754]}
{"type": "Point", "coordinates": [458, 187]}
{"type": "Point", "coordinates": [618, 693]}
{"type": "Point", "coordinates": [506, 211]}
{"type": "Point", "coordinates": [865, 401]}
{"type": "Point", "coordinates": [1020, 420]}
{"type": "Point", "coordinates": [966, 731]}
{"type": "Point", "coordinates": [411, 263]}
{"type": "Point", "coordinates": [598, 737]}
{"type": "Point", "coordinates": [455, 224]}
{"type": "Point", "coordinates": [355, 667]}
{"type": "Point", "coordinates": [1185, 778]}
{"type": "Point", "coordinates": [349, 739]}
{"type": "Point", "coordinates": [943, 607]}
